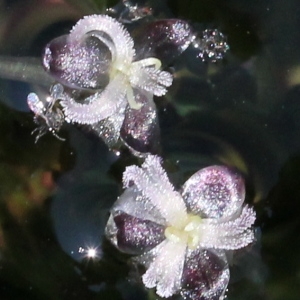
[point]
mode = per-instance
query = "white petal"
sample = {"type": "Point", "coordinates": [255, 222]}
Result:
{"type": "Point", "coordinates": [229, 235]}
{"type": "Point", "coordinates": [133, 203]}
{"type": "Point", "coordinates": [107, 29]}
{"type": "Point", "coordinates": [154, 184]}
{"type": "Point", "coordinates": [166, 270]}
{"type": "Point", "coordinates": [150, 78]}
{"type": "Point", "coordinates": [109, 129]}
{"type": "Point", "coordinates": [100, 105]}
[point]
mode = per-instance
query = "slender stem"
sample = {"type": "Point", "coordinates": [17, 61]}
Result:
{"type": "Point", "coordinates": [26, 69]}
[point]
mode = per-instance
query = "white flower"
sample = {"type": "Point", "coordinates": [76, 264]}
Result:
{"type": "Point", "coordinates": [77, 60]}
{"type": "Point", "coordinates": [181, 237]}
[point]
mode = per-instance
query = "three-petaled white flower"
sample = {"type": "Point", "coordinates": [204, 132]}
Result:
{"type": "Point", "coordinates": [80, 63]}
{"type": "Point", "coordinates": [182, 237]}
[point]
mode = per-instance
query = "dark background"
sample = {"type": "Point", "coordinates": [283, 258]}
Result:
{"type": "Point", "coordinates": [243, 111]}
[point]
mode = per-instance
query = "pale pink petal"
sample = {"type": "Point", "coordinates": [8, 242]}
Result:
{"type": "Point", "coordinates": [165, 271]}
{"type": "Point", "coordinates": [214, 192]}
{"type": "Point", "coordinates": [152, 181]}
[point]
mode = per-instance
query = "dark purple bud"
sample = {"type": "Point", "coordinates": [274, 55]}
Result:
{"type": "Point", "coordinates": [82, 65]}
{"type": "Point", "coordinates": [163, 39]}
{"type": "Point", "coordinates": [214, 192]}
{"type": "Point", "coordinates": [135, 236]}
{"type": "Point", "coordinates": [205, 276]}
{"type": "Point", "coordinates": [140, 130]}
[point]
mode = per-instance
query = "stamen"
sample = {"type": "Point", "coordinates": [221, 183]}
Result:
{"type": "Point", "coordinates": [189, 233]}
{"type": "Point", "coordinates": [148, 62]}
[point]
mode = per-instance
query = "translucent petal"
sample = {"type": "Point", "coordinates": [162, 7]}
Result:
{"type": "Point", "coordinates": [132, 202]}
{"type": "Point", "coordinates": [165, 271]}
{"type": "Point", "coordinates": [214, 192]}
{"type": "Point", "coordinates": [135, 236]}
{"type": "Point", "coordinates": [230, 235]}
{"type": "Point", "coordinates": [109, 129]}
{"type": "Point", "coordinates": [140, 130]}
{"type": "Point", "coordinates": [82, 65]}
{"type": "Point", "coordinates": [205, 275]}
{"type": "Point", "coordinates": [99, 106]}
{"type": "Point", "coordinates": [147, 258]}
{"type": "Point", "coordinates": [152, 181]}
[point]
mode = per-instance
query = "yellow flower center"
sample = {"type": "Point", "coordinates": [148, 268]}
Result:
{"type": "Point", "coordinates": [188, 233]}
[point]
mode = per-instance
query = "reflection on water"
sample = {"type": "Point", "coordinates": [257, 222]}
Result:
{"type": "Point", "coordinates": [243, 112]}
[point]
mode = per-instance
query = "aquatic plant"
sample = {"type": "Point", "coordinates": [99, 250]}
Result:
{"type": "Point", "coordinates": [182, 237]}
{"type": "Point", "coordinates": [109, 79]}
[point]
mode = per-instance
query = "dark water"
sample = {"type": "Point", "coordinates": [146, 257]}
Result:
{"type": "Point", "coordinates": [243, 111]}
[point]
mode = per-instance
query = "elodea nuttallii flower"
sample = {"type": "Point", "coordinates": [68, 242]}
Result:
{"type": "Point", "coordinates": [106, 86]}
{"type": "Point", "coordinates": [181, 237]}
{"type": "Point", "coordinates": [108, 76]}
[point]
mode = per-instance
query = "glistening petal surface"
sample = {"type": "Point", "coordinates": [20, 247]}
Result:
{"type": "Point", "coordinates": [135, 236]}
{"type": "Point", "coordinates": [154, 184]}
{"type": "Point", "coordinates": [123, 43]}
{"type": "Point", "coordinates": [214, 192]}
{"type": "Point", "coordinates": [165, 271]}
{"type": "Point", "coordinates": [230, 235]}
{"type": "Point", "coordinates": [163, 39]}
{"type": "Point", "coordinates": [100, 105]}
{"type": "Point", "coordinates": [140, 130]}
{"type": "Point", "coordinates": [205, 275]}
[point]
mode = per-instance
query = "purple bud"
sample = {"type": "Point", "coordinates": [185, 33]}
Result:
{"type": "Point", "coordinates": [82, 66]}
{"type": "Point", "coordinates": [135, 236]}
{"type": "Point", "coordinates": [163, 39]}
{"type": "Point", "coordinates": [140, 129]}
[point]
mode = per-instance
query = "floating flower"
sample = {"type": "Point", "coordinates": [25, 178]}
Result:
{"type": "Point", "coordinates": [182, 237]}
{"type": "Point", "coordinates": [98, 56]}
{"type": "Point", "coordinates": [110, 77]}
